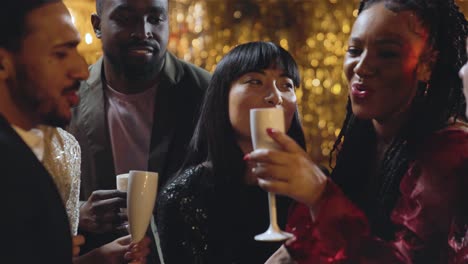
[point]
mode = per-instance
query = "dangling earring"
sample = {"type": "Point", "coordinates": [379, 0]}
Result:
{"type": "Point", "coordinates": [426, 89]}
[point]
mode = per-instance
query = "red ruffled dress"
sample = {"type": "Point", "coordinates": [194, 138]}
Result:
{"type": "Point", "coordinates": [431, 215]}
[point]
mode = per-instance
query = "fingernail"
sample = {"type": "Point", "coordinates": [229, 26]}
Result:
{"type": "Point", "coordinates": [261, 182]}
{"type": "Point", "coordinates": [246, 157]}
{"type": "Point", "coordinates": [271, 131]}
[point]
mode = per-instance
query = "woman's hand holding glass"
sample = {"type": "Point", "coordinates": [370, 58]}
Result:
{"type": "Point", "coordinates": [121, 250]}
{"type": "Point", "coordinates": [288, 171]}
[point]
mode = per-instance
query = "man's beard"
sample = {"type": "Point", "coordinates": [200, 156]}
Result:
{"type": "Point", "coordinates": [52, 118]}
{"type": "Point", "coordinates": [27, 96]}
{"type": "Point", "coordinates": [136, 71]}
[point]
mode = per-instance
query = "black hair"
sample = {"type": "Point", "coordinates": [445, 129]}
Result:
{"type": "Point", "coordinates": [99, 7]}
{"type": "Point", "coordinates": [214, 140]}
{"type": "Point", "coordinates": [13, 26]}
{"type": "Point", "coordinates": [376, 190]}
{"type": "Point", "coordinates": [100, 3]}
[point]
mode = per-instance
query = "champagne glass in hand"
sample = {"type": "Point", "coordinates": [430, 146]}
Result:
{"type": "Point", "coordinates": [260, 120]}
{"type": "Point", "coordinates": [122, 185]}
{"type": "Point", "coordinates": [142, 189]}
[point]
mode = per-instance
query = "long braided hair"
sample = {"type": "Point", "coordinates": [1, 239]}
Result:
{"type": "Point", "coordinates": [376, 190]}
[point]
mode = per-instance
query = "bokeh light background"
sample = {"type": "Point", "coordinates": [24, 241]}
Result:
{"type": "Point", "coordinates": [314, 31]}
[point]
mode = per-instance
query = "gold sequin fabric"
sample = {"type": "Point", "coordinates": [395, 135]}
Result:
{"type": "Point", "coordinates": [62, 158]}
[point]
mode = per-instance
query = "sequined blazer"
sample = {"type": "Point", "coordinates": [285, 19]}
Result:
{"type": "Point", "coordinates": [62, 157]}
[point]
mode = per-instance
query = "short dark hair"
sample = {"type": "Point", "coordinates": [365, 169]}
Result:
{"type": "Point", "coordinates": [99, 7]}
{"type": "Point", "coordinates": [13, 15]}
{"type": "Point", "coordinates": [214, 138]}
{"type": "Point", "coordinates": [99, 4]}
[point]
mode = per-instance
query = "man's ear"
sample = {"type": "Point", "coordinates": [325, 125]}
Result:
{"type": "Point", "coordinates": [6, 64]}
{"type": "Point", "coordinates": [96, 22]}
{"type": "Point", "coordinates": [426, 65]}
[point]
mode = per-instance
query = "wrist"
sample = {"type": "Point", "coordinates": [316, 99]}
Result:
{"type": "Point", "coordinates": [315, 207]}
{"type": "Point", "coordinates": [93, 257]}
{"type": "Point", "coordinates": [320, 184]}
{"type": "Point", "coordinates": [98, 255]}
{"type": "Point", "coordinates": [317, 196]}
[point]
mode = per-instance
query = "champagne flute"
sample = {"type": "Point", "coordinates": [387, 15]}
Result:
{"type": "Point", "coordinates": [260, 120]}
{"type": "Point", "coordinates": [142, 189]}
{"type": "Point", "coordinates": [122, 185]}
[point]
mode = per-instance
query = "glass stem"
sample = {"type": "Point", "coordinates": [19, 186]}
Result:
{"type": "Point", "coordinates": [272, 210]}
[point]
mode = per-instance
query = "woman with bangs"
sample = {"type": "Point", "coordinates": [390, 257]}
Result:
{"type": "Point", "coordinates": [213, 208]}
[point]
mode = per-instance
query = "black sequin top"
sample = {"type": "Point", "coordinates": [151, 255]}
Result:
{"type": "Point", "coordinates": [199, 222]}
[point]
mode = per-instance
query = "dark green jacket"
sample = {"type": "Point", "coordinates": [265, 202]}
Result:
{"type": "Point", "coordinates": [177, 103]}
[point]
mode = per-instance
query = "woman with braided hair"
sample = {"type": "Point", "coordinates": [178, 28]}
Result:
{"type": "Point", "coordinates": [463, 73]}
{"type": "Point", "coordinates": [399, 190]}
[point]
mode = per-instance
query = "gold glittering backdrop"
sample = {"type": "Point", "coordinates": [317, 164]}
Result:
{"type": "Point", "coordinates": [314, 31]}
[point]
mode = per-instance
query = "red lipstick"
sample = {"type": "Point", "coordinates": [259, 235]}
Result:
{"type": "Point", "coordinates": [360, 91]}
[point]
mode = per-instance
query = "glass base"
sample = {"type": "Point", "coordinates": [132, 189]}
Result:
{"type": "Point", "coordinates": [271, 235]}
